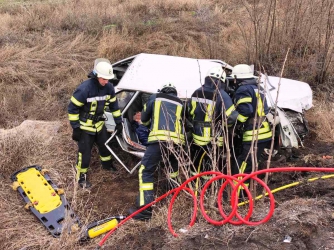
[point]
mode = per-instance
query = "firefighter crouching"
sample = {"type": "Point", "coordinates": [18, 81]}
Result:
{"type": "Point", "coordinates": [163, 113]}
{"type": "Point", "coordinates": [86, 115]}
{"type": "Point", "coordinates": [208, 108]}
{"type": "Point", "coordinates": [252, 106]}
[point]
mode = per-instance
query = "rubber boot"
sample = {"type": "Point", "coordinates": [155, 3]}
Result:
{"type": "Point", "coordinates": [143, 215]}
{"type": "Point", "coordinates": [110, 167]}
{"type": "Point", "coordinates": [83, 181]}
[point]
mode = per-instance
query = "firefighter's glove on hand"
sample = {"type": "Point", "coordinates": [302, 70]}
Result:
{"type": "Point", "coordinates": [119, 128]}
{"type": "Point", "coordinates": [76, 134]}
{"type": "Point", "coordinates": [273, 119]}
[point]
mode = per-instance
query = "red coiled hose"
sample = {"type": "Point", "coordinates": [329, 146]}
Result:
{"type": "Point", "coordinates": [235, 182]}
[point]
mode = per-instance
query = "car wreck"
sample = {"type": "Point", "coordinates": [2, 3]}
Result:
{"type": "Point", "coordinates": [143, 74]}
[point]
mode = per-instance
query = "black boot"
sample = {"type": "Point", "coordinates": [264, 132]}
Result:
{"type": "Point", "coordinates": [83, 182]}
{"type": "Point", "coordinates": [110, 167]}
{"type": "Point", "coordinates": [143, 215]}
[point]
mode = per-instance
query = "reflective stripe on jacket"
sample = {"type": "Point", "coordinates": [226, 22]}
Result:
{"type": "Point", "coordinates": [163, 112]}
{"type": "Point", "coordinates": [250, 101]}
{"type": "Point", "coordinates": [90, 100]}
{"type": "Point", "coordinates": [207, 108]}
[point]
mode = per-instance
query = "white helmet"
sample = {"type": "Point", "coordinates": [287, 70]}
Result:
{"type": "Point", "coordinates": [168, 88]}
{"type": "Point", "coordinates": [217, 72]}
{"type": "Point", "coordinates": [242, 71]}
{"type": "Point", "coordinates": [103, 68]}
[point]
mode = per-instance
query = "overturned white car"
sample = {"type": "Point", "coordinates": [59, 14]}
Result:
{"type": "Point", "coordinates": [143, 74]}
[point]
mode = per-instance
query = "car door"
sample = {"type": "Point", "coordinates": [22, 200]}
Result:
{"type": "Point", "coordinates": [124, 99]}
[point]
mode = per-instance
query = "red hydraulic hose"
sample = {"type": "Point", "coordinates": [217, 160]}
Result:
{"type": "Point", "coordinates": [235, 181]}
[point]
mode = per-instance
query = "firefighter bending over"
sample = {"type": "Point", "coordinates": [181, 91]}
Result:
{"type": "Point", "coordinates": [163, 113]}
{"type": "Point", "coordinates": [208, 108]}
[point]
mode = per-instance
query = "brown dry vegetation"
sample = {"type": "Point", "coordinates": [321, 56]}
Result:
{"type": "Point", "coordinates": [48, 47]}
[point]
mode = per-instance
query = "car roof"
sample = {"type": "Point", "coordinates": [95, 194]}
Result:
{"type": "Point", "coordinates": [148, 72]}
{"type": "Point", "coordinates": [292, 94]}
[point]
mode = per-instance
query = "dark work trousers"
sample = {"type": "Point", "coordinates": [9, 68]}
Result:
{"type": "Point", "coordinates": [247, 169]}
{"type": "Point", "coordinates": [85, 145]}
{"type": "Point", "coordinates": [202, 162]}
{"type": "Point", "coordinates": [154, 153]}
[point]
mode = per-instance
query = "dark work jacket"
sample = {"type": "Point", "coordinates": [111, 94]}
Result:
{"type": "Point", "coordinates": [163, 113]}
{"type": "Point", "coordinates": [207, 108]}
{"type": "Point", "coordinates": [88, 103]}
{"type": "Point", "coordinates": [250, 101]}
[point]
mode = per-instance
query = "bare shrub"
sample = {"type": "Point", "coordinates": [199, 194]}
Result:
{"type": "Point", "coordinates": [306, 27]}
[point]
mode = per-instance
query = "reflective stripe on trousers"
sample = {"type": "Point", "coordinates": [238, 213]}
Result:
{"type": "Point", "coordinates": [85, 145]}
{"type": "Point", "coordinates": [153, 155]}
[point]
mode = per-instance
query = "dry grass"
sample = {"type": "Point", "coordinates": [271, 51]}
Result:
{"type": "Point", "coordinates": [321, 118]}
{"type": "Point", "coordinates": [48, 47]}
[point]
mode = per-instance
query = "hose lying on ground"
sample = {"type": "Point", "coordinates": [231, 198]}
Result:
{"type": "Point", "coordinates": [235, 181]}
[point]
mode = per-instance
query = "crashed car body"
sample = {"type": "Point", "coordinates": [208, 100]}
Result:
{"type": "Point", "coordinates": [145, 73]}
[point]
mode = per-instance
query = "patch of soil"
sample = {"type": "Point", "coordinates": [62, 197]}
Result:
{"type": "Point", "coordinates": [303, 213]}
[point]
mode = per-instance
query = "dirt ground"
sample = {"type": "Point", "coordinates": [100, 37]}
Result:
{"type": "Point", "coordinates": [304, 213]}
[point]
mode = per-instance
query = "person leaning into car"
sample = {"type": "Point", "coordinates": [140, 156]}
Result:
{"type": "Point", "coordinates": [86, 116]}
{"type": "Point", "coordinates": [252, 106]}
{"type": "Point", "coordinates": [163, 114]}
{"type": "Point", "coordinates": [207, 109]}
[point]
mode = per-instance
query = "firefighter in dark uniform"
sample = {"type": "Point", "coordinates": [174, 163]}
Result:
{"type": "Point", "coordinates": [86, 115]}
{"type": "Point", "coordinates": [208, 108]}
{"type": "Point", "coordinates": [163, 113]}
{"type": "Point", "coordinates": [252, 106]}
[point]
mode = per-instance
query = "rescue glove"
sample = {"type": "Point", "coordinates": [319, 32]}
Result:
{"type": "Point", "coordinates": [76, 134]}
{"type": "Point", "coordinates": [119, 128]}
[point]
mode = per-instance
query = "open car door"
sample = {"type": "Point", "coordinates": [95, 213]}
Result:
{"type": "Point", "coordinates": [129, 143]}
{"type": "Point", "coordinates": [145, 73]}
{"type": "Point", "coordinates": [128, 140]}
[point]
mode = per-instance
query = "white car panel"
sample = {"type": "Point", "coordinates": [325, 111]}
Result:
{"type": "Point", "coordinates": [294, 95]}
{"type": "Point", "coordinates": [148, 72]}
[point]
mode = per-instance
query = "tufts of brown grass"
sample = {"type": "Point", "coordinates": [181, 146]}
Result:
{"type": "Point", "coordinates": [48, 47]}
{"type": "Point", "coordinates": [321, 119]}
{"type": "Point", "coordinates": [35, 80]}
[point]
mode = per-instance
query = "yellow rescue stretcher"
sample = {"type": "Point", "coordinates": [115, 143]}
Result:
{"type": "Point", "coordinates": [44, 199]}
